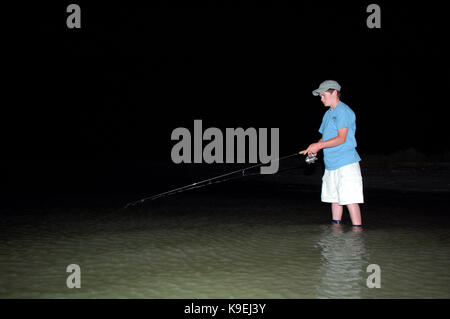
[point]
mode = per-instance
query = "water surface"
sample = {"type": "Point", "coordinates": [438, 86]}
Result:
{"type": "Point", "coordinates": [211, 245]}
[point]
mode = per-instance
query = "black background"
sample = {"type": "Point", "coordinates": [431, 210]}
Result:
{"type": "Point", "coordinates": [93, 108]}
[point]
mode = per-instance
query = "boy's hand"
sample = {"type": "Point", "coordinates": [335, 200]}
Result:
{"type": "Point", "coordinates": [313, 149]}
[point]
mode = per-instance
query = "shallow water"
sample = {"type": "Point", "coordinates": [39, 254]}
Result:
{"type": "Point", "coordinates": [212, 246]}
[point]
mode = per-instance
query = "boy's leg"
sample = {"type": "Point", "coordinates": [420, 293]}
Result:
{"type": "Point", "coordinates": [350, 189]}
{"type": "Point", "coordinates": [336, 211]}
{"type": "Point", "coordinates": [355, 214]}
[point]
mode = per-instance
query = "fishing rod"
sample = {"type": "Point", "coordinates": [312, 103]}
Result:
{"type": "Point", "coordinates": [215, 180]}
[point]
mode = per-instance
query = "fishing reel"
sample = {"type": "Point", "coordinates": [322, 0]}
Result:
{"type": "Point", "coordinates": [311, 159]}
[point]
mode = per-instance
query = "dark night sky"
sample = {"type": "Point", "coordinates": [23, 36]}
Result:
{"type": "Point", "coordinates": [115, 90]}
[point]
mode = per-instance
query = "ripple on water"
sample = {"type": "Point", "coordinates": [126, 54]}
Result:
{"type": "Point", "coordinates": [206, 256]}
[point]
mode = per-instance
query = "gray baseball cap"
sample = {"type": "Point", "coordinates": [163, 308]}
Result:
{"type": "Point", "coordinates": [326, 85]}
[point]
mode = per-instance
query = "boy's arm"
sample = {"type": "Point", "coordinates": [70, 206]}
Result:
{"type": "Point", "coordinates": [340, 139]}
{"type": "Point", "coordinates": [305, 151]}
{"type": "Point", "coordinates": [342, 136]}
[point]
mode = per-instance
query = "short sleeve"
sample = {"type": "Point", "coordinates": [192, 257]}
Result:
{"type": "Point", "coordinates": [321, 128]}
{"type": "Point", "coordinates": [343, 119]}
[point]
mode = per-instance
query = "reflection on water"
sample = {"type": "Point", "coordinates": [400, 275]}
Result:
{"type": "Point", "coordinates": [343, 263]}
{"type": "Point", "coordinates": [243, 250]}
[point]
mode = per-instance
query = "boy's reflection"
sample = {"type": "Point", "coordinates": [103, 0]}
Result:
{"type": "Point", "coordinates": [343, 264]}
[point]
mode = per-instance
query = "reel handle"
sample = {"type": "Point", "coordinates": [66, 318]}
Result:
{"type": "Point", "coordinates": [309, 159]}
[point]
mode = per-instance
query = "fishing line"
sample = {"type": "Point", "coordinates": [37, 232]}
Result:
{"type": "Point", "coordinates": [215, 180]}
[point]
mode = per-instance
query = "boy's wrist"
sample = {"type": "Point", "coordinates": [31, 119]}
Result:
{"type": "Point", "coordinates": [321, 146]}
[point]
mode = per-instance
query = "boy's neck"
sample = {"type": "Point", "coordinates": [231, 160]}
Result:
{"type": "Point", "coordinates": [333, 105]}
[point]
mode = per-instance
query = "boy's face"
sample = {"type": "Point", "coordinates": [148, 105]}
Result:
{"type": "Point", "coordinates": [325, 97]}
{"type": "Point", "coordinates": [328, 98]}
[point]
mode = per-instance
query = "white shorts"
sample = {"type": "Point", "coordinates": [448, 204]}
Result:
{"type": "Point", "coordinates": [343, 185]}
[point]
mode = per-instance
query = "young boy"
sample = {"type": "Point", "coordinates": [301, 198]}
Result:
{"type": "Point", "coordinates": [342, 181]}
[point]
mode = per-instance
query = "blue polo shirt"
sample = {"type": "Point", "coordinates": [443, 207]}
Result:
{"type": "Point", "coordinates": [339, 117]}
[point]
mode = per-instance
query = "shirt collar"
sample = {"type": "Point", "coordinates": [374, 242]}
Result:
{"type": "Point", "coordinates": [337, 105]}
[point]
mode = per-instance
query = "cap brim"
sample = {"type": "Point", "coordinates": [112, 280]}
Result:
{"type": "Point", "coordinates": [318, 91]}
